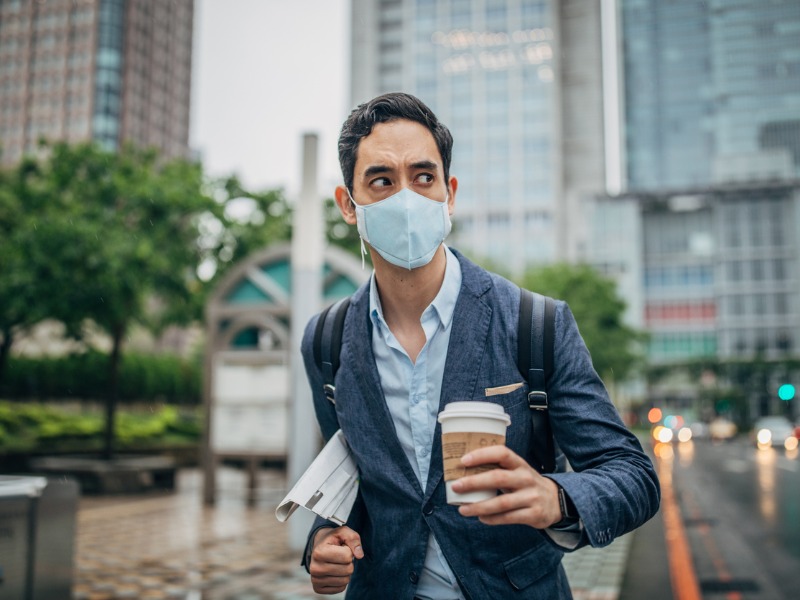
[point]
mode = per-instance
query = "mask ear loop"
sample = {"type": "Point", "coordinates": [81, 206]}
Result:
{"type": "Point", "coordinates": [363, 248]}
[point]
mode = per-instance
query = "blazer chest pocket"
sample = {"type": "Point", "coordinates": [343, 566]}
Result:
{"type": "Point", "coordinates": [514, 400]}
{"type": "Point", "coordinates": [507, 395]}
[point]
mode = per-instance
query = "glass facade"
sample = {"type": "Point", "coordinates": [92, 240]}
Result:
{"type": "Point", "coordinates": [712, 91]}
{"type": "Point", "coordinates": [486, 67]}
{"type": "Point", "coordinates": [108, 74]}
{"type": "Point", "coordinates": [678, 280]}
{"type": "Point", "coordinates": [757, 271]}
{"type": "Point", "coordinates": [720, 272]}
{"type": "Point", "coordinates": [63, 64]}
{"type": "Point", "coordinates": [46, 51]}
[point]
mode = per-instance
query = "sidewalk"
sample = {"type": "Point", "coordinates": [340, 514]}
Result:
{"type": "Point", "coordinates": [171, 546]}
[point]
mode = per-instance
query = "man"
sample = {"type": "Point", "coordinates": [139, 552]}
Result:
{"type": "Point", "coordinates": [432, 328]}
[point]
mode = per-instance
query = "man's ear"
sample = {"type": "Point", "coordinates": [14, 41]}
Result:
{"type": "Point", "coordinates": [345, 204]}
{"type": "Point", "coordinates": [451, 195]}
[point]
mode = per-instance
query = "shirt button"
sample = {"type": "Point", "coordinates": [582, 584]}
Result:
{"type": "Point", "coordinates": [413, 577]}
{"type": "Point", "coordinates": [425, 451]}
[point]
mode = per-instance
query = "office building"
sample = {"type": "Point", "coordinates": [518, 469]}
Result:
{"type": "Point", "coordinates": [105, 70]}
{"type": "Point", "coordinates": [709, 118]}
{"type": "Point", "coordinates": [711, 150]}
{"type": "Point", "coordinates": [519, 84]}
{"type": "Point", "coordinates": [712, 91]}
{"type": "Point", "coordinates": [719, 268]}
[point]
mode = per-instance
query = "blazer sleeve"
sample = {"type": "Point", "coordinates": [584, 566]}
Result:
{"type": "Point", "coordinates": [613, 484]}
{"type": "Point", "coordinates": [328, 424]}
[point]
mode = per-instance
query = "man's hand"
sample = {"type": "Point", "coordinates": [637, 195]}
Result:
{"type": "Point", "coordinates": [332, 559]}
{"type": "Point", "coordinates": [527, 498]}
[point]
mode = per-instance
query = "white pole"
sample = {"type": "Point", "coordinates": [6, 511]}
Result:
{"type": "Point", "coordinates": [307, 255]}
{"type": "Point", "coordinates": [613, 98]}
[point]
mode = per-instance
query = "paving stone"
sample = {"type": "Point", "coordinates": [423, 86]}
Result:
{"type": "Point", "coordinates": [172, 546]}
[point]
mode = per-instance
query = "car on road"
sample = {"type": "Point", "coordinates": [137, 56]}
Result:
{"type": "Point", "coordinates": [774, 431]}
{"type": "Point", "coordinates": [721, 429]}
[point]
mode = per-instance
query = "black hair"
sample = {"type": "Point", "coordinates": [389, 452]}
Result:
{"type": "Point", "coordinates": [385, 108]}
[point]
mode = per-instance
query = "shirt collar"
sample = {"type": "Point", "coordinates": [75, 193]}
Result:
{"type": "Point", "coordinates": [443, 304]}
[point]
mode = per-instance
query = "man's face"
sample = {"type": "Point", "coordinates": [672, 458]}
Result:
{"type": "Point", "coordinates": [396, 155]}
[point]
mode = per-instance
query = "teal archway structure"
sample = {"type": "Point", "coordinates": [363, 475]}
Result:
{"type": "Point", "coordinates": [246, 386]}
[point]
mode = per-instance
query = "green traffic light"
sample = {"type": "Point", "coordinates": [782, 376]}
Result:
{"type": "Point", "coordinates": [786, 391]}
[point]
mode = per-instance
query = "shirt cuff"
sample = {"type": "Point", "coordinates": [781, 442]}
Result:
{"type": "Point", "coordinates": [567, 537]}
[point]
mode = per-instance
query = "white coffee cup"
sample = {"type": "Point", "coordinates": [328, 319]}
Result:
{"type": "Point", "coordinates": [467, 426]}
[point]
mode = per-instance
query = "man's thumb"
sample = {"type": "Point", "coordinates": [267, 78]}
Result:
{"type": "Point", "coordinates": [352, 540]}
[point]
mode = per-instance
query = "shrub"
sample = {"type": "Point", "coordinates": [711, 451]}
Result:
{"type": "Point", "coordinates": [142, 378]}
{"type": "Point", "coordinates": [33, 426]}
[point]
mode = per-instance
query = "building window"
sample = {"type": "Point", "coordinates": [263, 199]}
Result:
{"type": "Point", "coordinates": [757, 270]}
{"type": "Point", "coordinates": [108, 79]}
{"type": "Point", "coordinates": [779, 269]}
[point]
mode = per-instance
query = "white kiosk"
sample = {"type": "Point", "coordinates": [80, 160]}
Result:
{"type": "Point", "coordinates": [247, 375]}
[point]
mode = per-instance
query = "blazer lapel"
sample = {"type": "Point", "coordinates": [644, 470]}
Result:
{"type": "Point", "coordinates": [366, 373]}
{"type": "Point", "coordinates": [468, 339]}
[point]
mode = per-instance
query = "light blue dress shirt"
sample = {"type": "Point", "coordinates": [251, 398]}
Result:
{"type": "Point", "coordinates": [412, 391]}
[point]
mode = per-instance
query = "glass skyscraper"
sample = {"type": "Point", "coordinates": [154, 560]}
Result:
{"type": "Point", "coordinates": [712, 91]}
{"type": "Point", "coordinates": [712, 138]}
{"type": "Point", "coordinates": [105, 70]}
{"type": "Point", "coordinates": [525, 113]}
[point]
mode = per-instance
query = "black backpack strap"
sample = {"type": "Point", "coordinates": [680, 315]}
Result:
{"type": "Point", "coordinates": [535, 352]}
{"type": "Point", "coordinates": [328, 344]}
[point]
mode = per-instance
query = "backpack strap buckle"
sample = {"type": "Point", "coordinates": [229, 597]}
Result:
{"type": "Point", "coordinates": [330, 392]}
{"type": "Point", "coordinates": [537, 400]}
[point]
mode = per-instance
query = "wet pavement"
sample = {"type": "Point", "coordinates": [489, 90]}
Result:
{"type": "Point", "coordinates": [169, 545]}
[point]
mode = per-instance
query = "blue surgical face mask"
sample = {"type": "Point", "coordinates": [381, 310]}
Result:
{"type": "Point", "coordinates": [406, 228]}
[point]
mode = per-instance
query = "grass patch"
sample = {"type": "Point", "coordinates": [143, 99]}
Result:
{"type": "Point", "coordinates": [34, 427]}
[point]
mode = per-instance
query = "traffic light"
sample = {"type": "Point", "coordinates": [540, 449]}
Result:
{"type": "Point", "coordinates": [786, 392]}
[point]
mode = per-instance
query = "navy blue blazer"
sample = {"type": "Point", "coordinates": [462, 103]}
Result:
{"type": "Point", "coordinates": [613, 483]}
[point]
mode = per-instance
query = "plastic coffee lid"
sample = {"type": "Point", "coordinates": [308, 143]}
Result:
{"type": "Point", "coordinates": [485, 410]}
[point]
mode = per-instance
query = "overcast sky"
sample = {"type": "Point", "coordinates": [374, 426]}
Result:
{"type": "Point", "coordinates": [266, 72]}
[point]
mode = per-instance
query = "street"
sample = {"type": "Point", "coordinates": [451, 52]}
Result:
{"type": "Point", "coordinates": [740, 516]}
{"type": "Point", "coordinates": [729, 527]}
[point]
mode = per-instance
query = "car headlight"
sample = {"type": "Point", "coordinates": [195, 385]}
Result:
{"type": "Point", "coordinates": [764, 436]}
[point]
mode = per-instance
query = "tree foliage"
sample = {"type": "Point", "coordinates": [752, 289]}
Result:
{"type": "Point", "coordinates": [126, 227]}
{"type": "Point", "coordinates": [615, 347]}
{"type": "Point", "coordinates": [104, 237]}
{"type": "Point", "coordinates": [22, 199]}
{"type": "Point", "coordinates": [340, 233]}
{"type": "Point", "coordinates": [124, 238]}
{"type": "Point", "coordinates": [247, 222]}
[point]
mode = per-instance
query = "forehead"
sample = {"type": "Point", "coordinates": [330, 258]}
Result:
{"type": "Point", "coordinates": [396, 143]}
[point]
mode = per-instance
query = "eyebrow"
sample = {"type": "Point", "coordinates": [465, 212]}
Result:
{"type": "Point", "coordinates": [378, 169]}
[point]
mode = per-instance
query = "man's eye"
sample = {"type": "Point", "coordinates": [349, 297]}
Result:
{"type": "Point", "coordinates": [381, 182]}
{"type": "Point", "coordinates": [425, 178]}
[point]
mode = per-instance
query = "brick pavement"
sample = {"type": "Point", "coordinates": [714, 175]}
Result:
{"type": "Point", "coordinates": [171, 546]}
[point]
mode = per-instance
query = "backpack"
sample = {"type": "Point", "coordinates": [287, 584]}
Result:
{"type": "Point", "coordinates": [536, 333]}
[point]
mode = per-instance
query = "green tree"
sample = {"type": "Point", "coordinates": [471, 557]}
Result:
{"type": "Point", "coordinates": [252, 220]}
{"type": "Point", "coordinates": [248, 221]}
{"type": "Point", "coordinates": [118, 235]}
{"type": "Point", "coordinates": [340, 233]}
{"type": "Point", "coordinates": [614, 346]}
{"type": "Point", "coordinates": [23, 299]}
